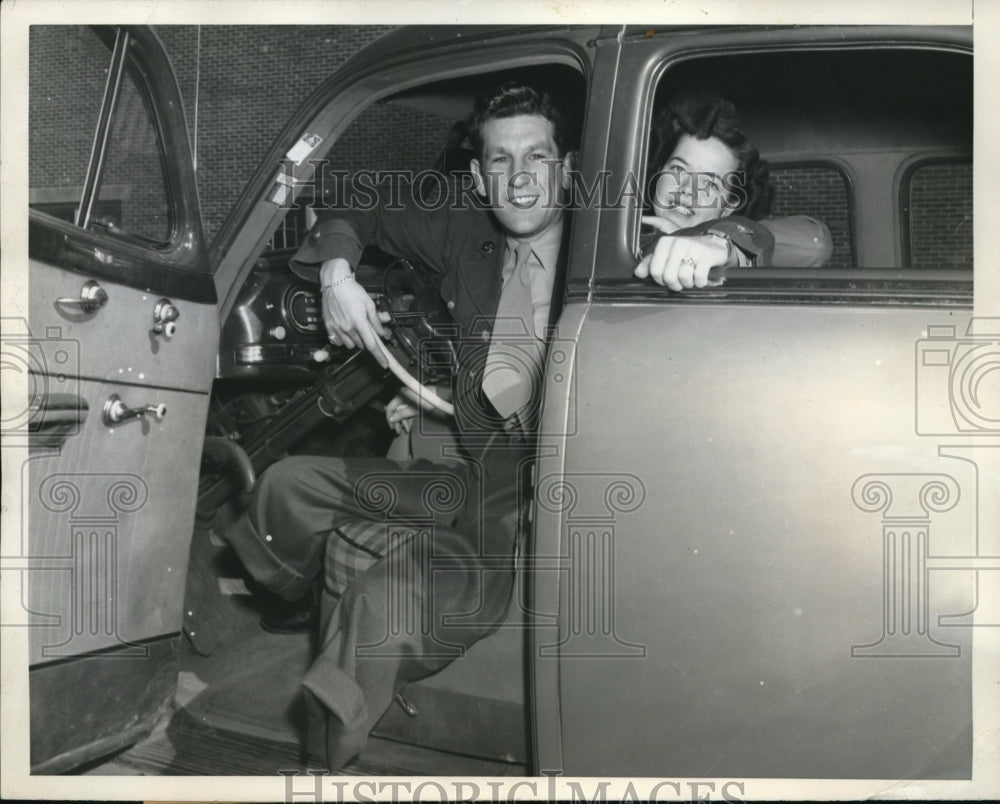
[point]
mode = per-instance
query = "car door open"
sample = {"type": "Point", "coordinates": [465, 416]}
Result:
{"type": "Point", "coordinates": [119, 347]}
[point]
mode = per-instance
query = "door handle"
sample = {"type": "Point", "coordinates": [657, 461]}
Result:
{"type": "Point", "coordinates": [92, 298]}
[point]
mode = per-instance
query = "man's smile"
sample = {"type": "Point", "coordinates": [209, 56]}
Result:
{"type": "Point", "coordinates": [523, 201]}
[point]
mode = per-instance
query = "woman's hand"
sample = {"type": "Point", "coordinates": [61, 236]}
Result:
{"type": "Point", "coordinates": [684, 261]}
{"type": "Point", "coordinates": [349, 313]}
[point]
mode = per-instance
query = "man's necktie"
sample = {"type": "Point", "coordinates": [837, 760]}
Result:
{"type": "Point", "coordinates": [512, 377]}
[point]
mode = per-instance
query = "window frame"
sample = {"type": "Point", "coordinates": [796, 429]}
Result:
{"type": "Point", "coordinates": [118, 255]}
{"type": "Point", "coordinates": [645, 61]}
{"type": "Point", "coordinates": [336, 104]}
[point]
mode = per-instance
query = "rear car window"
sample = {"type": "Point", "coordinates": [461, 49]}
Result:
{"type": "Point", "coordinates": [937, 214]}
{"type": "Point", "coordinates": [822, 192]}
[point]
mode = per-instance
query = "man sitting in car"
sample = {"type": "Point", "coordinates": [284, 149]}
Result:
{"type": "Point", "coordinates": [494, 266]}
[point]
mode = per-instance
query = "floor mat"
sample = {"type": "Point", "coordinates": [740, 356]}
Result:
{"type": "Point", "coordinates": [219, 609]}
{"type": "Point", "coordinates": [239, 713]}
{"type": "Point", "coordinates": [186, 747]}
{"type": "Point", "coordinates": [255, 688]}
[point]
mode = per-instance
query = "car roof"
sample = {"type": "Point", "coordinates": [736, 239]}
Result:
{"type": "Point", "coordinates": [420, 38]}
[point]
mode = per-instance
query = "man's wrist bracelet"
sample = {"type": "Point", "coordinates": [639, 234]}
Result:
{"type": "Point", "coordinates": [335, 282]}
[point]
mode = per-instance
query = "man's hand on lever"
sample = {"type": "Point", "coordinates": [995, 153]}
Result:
{"type": "Point", "coordinates": [349, 313]}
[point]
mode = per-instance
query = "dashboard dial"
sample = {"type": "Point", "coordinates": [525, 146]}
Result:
{"type": "Point", "coordinates": [302, 310]}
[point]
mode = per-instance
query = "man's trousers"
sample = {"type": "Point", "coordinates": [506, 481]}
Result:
{"type": "Point", "coordinates": [419, 565]}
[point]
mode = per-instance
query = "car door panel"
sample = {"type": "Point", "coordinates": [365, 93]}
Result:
{"type": "Point", "coordinates": [109, 525]}
{"type": "Point", "coordinates": [763, 605]}
{"type": "Point", "coordinates": [108, 510]}
{"type": "Point", "coordinates": [118, 341]}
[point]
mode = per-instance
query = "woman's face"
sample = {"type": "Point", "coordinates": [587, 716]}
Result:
{"type": "Point", "coordinates": [697, 182]}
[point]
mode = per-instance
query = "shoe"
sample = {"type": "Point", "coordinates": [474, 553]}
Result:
{"type": "Point", "coordinates": [280, 616]}
{"type": "Point", "coordinates": [289, 622]}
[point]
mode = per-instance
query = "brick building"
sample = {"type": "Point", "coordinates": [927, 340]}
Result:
{"type": "Point", "coordinates": [252, 78]}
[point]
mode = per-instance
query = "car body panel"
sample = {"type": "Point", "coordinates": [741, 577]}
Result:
{"type": "Point", "coordinates": [744, 424]}
{"type": "Point", "coordinates": [740, 557]}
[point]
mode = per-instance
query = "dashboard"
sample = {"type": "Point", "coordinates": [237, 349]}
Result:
{"type": "Point", "coordinates": [275, 332]}
{"type": "Point", "coordinates": [280, 383]}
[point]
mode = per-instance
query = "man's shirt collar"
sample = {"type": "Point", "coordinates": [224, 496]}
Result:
{"type": "Point", "coordinates": [544, 247]}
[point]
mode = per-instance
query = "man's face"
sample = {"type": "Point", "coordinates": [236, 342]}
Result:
{"type": "Point", "coordinates": [522, 174]}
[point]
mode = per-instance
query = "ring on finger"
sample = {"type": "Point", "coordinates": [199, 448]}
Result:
{"type": "Point", "coordinates": [687, 261]}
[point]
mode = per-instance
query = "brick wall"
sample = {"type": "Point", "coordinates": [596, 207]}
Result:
{"type": "Point", "coordinates": [940, 211]}
{"type": "Point", "coordinates": [382, 138]}
{"type": "Point", "coordinates": [66, 84]}
{"type": "Point", "coordinates": [388, 137]}
{"type": "Point", "coordinates": [64, 102]}
{"type": "Point", "coordinates": [251, 80]}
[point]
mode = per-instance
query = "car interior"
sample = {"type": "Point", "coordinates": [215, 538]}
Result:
{"type": "Point", "coordinates": [282, 389]}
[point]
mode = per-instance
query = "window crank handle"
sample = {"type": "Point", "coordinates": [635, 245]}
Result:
{"type": "Point", "coordinates": [115, 411]}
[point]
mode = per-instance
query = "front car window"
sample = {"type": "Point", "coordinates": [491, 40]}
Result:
{"type": "Point", "coordinates": [402, 150]}
{"type": "Point", "coordinates": [104, 176]}
{"type": "Point", "coordinates": [390, 135]}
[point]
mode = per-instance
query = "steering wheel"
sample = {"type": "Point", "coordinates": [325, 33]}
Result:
{"type": "Point", "coordinates": [423, 331]}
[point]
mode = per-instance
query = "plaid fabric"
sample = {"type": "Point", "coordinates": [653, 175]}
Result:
{"type": "Point", "coordinates": [354, 547]}
{"type": "Point", "coordinates": [351, 549]}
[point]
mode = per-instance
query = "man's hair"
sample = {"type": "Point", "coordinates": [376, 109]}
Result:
{"type": "Point", "coordinates": [703, 115]}
{"type": "Point", "coordinates": [511, 99]}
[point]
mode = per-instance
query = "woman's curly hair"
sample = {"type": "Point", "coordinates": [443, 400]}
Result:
{"type": "Point", "coordinates": [703, 115]}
